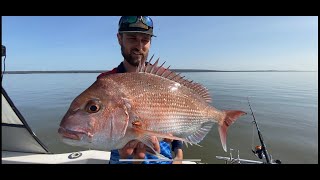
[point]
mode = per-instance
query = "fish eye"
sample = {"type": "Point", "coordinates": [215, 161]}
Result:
{"type": "Point", "coordinates": [92, 107]}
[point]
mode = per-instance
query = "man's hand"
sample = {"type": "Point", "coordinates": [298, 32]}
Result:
{"type": "Point", "coordinates": [137, 149]}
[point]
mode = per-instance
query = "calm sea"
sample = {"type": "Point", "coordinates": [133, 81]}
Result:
{"type": "Point", "coordinates": [285, 105]}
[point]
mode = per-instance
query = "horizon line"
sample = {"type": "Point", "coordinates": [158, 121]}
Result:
{"type": "Point", "coordinates": [177, 70]}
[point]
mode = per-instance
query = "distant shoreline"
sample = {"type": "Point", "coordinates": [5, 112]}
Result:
{"type": "Point", "coordinates": [176, 70]}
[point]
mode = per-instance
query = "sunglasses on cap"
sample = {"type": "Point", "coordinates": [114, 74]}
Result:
{"type": "Point", "coordinates": [146, 20]}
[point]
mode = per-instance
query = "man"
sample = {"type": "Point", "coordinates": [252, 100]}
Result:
{"type": "Point", "coordinates": [134, 37]}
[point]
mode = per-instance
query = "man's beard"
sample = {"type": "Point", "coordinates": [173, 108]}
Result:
{"type": "Point", "coordinates": [134, 61]}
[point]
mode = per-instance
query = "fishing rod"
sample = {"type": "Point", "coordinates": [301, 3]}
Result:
{"type": "Point", "coordinates": [264, 149]}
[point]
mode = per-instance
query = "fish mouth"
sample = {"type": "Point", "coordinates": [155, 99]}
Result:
{"type": "Point", "coordinates": [73, 134]}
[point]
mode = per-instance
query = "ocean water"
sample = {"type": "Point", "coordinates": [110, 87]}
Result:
{"type": "Point", "coordinates": [285, 105]}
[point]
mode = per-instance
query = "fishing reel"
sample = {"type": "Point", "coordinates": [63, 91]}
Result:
{"type": "Point", "coordinates": [260, 154]}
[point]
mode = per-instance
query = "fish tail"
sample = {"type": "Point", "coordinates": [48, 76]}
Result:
{"type": "Point", "coordinates": [229, 118]}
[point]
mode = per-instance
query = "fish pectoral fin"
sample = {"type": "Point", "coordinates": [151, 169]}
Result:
{"type": "Point", "coordinates": [147, 140]}
{"type": "Point", "coordinates": [158, 155]}
{"type": "Point", "coordinates": [161, 135]}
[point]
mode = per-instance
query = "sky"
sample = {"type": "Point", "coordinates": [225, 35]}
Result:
{"type": "Point", "coordinates": [184, 42]}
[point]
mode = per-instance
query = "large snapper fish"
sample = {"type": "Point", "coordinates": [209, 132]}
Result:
{"type": "Point", "coordinates": [153, 101]}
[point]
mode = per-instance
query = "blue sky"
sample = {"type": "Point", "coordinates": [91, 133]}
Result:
{"type": "Point", "coordinates": [197, 42]}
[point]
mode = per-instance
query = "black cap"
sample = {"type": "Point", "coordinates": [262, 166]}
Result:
{"type": "Point", "coordinates": [140, 24]}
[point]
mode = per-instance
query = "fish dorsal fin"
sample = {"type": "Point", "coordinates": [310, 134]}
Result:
{"type": "Point", "coordinates": [168, 74]}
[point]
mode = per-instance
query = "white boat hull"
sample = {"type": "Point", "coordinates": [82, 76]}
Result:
{"type": "Point", "coordinates": [81, 157]}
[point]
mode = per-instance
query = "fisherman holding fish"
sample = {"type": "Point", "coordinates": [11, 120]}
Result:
{"type": "Point", "coordinates": [146, 104]}
{"type": "Point", "coordinates": [134, 36]}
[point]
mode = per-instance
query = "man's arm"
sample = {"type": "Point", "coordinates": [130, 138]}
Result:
{"type": "Point", "coordinates": [178, 156]}
{"type": "Point", "coordinates": [177, 149]}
